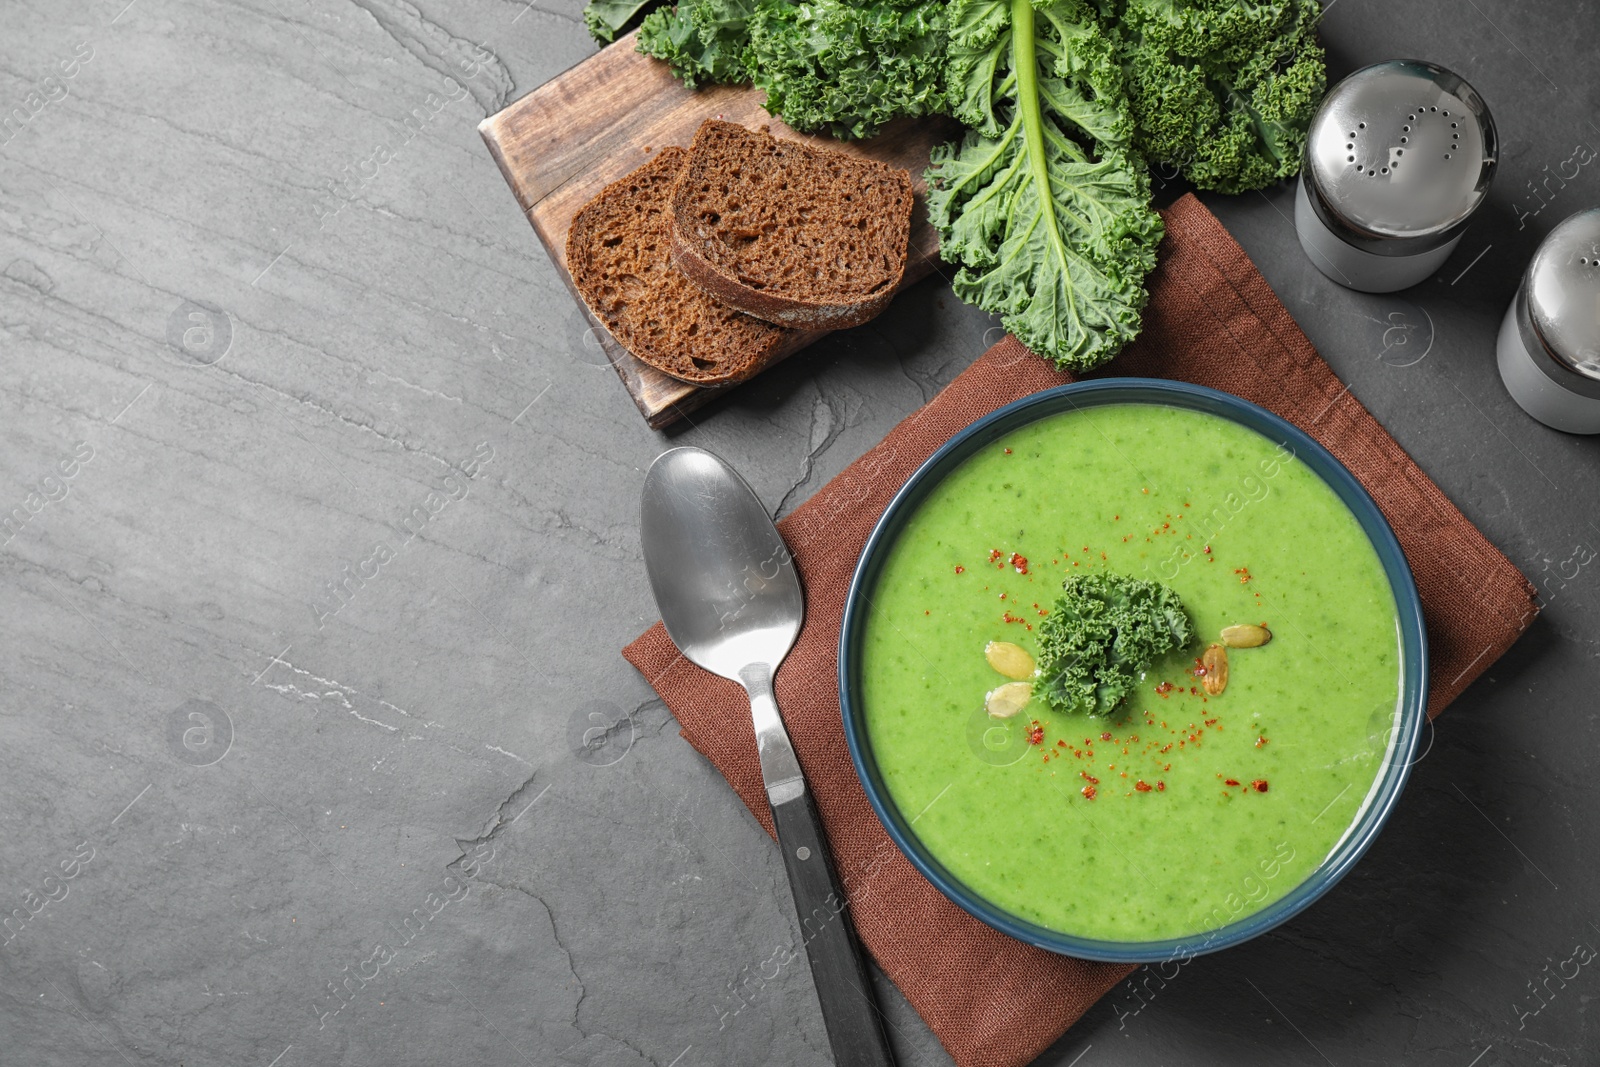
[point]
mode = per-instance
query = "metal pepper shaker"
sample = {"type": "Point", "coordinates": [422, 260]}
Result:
{"type": "Point", "coordinates": [1549, 346]}
{"type": "Point", "coordinates": [1399, 156]}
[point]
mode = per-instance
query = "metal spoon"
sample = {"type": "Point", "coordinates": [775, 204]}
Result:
{"type": "Point", "coordinates": [728, 594]}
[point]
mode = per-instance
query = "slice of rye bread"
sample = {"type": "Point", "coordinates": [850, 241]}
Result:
{"type": "Point", "coordinates": [619, 255]}
{"type": "Point", "coordinates": [792, 234]}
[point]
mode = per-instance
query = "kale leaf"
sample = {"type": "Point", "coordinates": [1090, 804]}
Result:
{"type": "Point", "coordinates": [849, 67]}
{"type": "Point", "coordinates": [1042, 203]}
{"type": "Point", "coordinates": [824, 64]}
{"type": "Point", "coordinates": [1101, 635]}
{"type": "Point", "coordinates": [1221, 90]}
{"type": "Point", "coordinates": [606, 19]}
{"type": "Point", "coordinates": [701, 40]}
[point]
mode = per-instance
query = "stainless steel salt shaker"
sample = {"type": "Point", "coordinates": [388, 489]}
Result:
{"type": "Point", "coordinates": [1399, 156]}
{"type": "Point", "coordinates": [1549, 346]}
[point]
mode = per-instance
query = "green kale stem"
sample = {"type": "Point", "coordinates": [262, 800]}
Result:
{"type": "Point", "coordinates": [1025, 65]}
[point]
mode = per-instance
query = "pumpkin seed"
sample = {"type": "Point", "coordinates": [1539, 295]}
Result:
{"type": "Point", "coordinates": [1215, 661]}
{"type": "Point", "coordinates": [1005, 701]}
{"type": "Point", "coordinates": [1010, 660]}
{"type": "Point", "coordinates": [1245, 635]}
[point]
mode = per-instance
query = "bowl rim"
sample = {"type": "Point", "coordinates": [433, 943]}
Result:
{"type": "Point", "coordinates": [1412, 633]}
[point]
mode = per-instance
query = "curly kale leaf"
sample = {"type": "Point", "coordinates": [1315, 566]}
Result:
{"type": "Point", "coordinates": [849, 67]}
{"type": "Point", "coordinates": [607, 19]}
{"type": "Point", "coordinates": [1041, 203]}
{"type": "Point", "coordinates": [1101, 635]}
{"type": "Point", "coordinates": [1224, 91]}
{"type": "Point", "coordinates": [701, 40]}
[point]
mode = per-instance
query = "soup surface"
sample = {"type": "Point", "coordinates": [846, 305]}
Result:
{"type": "Point", "coordinates": [1182, 811]}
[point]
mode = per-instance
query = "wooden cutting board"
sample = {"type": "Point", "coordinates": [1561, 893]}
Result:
{"type": "Point", "coordinates": [562, 143]}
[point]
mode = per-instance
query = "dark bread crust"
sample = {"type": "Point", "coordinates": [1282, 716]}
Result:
{"type": "Point", "coordinates": [619, 255]}
{"type": "Point", "coordinates": [799, 236]}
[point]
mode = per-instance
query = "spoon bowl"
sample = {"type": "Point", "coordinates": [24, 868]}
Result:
{"type": "Point", "coordinates": [721, 574]}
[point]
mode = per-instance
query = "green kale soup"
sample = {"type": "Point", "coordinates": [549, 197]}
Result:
{"type": "Point", "coordinates": [1185, 808]}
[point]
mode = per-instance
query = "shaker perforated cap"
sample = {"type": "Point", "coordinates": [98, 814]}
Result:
{"type": "Point", "coordinates": [1563, 293]}
{"type": "Point", "coordinates": [1399, 156]}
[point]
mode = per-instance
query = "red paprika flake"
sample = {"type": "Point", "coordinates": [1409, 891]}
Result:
{"type": "Point", "coordinates": [1161, 787]}
{"type": "Point", "coordinates": [1036, 733]}
{"type": "Point", "coordinates": [1019, 563]}
{"type": "Point", "coordinates": [1106, 736]}
{"type": "Point", "coordinates": [1231, 781]}
{"type": "Point", "coordinates": [994, 554]}
{"type": "Point", "coordinates": [960, 569]}
{"type": "Point", "coordinates": [1141, 786]}
{"type": "Point", "coordinates": [1088, 792]}
{"type": "Point", "coordinates": [1259, 785]}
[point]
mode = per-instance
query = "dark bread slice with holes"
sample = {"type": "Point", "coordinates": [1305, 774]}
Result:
{"type": "Point", "coordinates": [619, 255]}
{"type": "Point", "coordinates": [792, 234]}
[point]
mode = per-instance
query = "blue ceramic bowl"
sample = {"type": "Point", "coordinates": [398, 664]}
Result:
{"type": "Point", "coordinates": [1402, 751]}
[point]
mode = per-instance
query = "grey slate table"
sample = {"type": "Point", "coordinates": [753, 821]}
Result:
{"type": "Point", "coordinates": [317, 749]}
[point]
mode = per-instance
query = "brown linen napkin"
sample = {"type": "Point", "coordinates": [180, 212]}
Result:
{"type": "Point", "coordinates": [994, 1001]}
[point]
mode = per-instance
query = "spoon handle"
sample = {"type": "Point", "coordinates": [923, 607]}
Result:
{"type": "Point", "coordinates": [849, 1009]}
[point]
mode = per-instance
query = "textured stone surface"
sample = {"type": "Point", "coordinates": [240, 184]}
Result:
{"type": "Point", "coordinates": [244, 827]}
